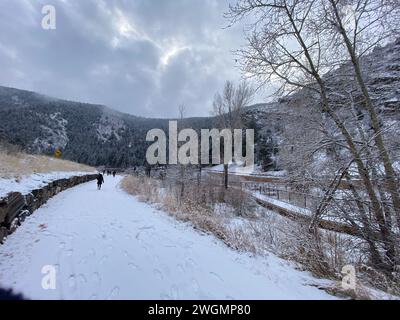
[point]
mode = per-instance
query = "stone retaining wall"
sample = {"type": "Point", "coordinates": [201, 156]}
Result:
{"type": "Point", "coordinates": [15, 207]}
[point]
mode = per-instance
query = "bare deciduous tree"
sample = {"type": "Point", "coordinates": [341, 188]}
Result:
{"type": "Point", "coordinates": [228, 108]}
{"type": "Point", "coordinates": [181, 110]}
{"type": "Point", "coordinates": [300, 45]}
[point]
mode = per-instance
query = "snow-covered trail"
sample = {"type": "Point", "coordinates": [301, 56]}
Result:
{"type": "Point", "coordinates": [108, 245]}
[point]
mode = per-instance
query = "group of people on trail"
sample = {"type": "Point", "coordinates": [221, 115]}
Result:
{"type": "Point", "coordinates": [100, 177]}
{"type": "Point", "coordinates": [109, 172]}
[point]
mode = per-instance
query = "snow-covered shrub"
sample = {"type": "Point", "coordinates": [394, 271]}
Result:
{"type": "Point", "coordinates": [239, 200]}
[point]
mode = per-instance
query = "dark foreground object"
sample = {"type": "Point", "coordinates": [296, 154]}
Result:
{"type": "Point", "coordinates": [10, 295]}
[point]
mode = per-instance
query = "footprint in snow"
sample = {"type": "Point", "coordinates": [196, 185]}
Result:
{"type": "Point", "coordinates": [158, 274]}
{"type": "Point", "coordinates": [92, 252]}
{"type": "Point", "coordinates": [133, 266]}
{"type": "Point", "coordinates": [138, 236]}
{"type": "Point", "coordinates": [190, 263]}
{"type": "Point", "coordinates": [128, 255]}
{"type": "Point", "coordinates": [174, 292]}
{"type": "Point", "coordinates": [72, 281]}
{"type": "Point", "coordinates": [103, 259]}
{"type": "Point", "coordinates": [71, 237]}
{"type": "Point", "coordinates": [146, 228]}
{"type": "Point", "coordinates": [180, 268]}
{"type": "Point", "coordinates": [114, 293]}
{"type": "Point", "coordinates": [195, 285]}
{"type": "Point", "coordinates": [128, 236]}
{"type": "Point", "coordinates": [96, 278]}
{"type": "Point", "coordinates": [216, 276]}
{"type": "Point", "coordinates": [170, 246]}
{"type": "Point", "coordinates": [82, 278]}
{"type": "Point", "coordinates": [164, 296]}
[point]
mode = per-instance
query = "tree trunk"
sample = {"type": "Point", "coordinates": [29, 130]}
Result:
{"type": "Point", "coordinates": [363, 173]}
{"type": "Point", "coordinates": [391, 183]}
{"type": "Point", "coordinates": [367, 231]}
{"type": "Point", "coordinates": [225, 176]}
{"type": "Point", "coordinates": [328, 196]}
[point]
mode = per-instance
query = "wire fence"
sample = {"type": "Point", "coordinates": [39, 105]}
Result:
{"type": "Point", "coordinates": [279, 192]}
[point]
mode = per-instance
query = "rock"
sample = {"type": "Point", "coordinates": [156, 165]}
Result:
{"type": "Point", "coordinates": [3, 210]}
{"type": "Point", "coordinates": [3, 234]}
{"type": "Point", "coordinates": [15, 203]}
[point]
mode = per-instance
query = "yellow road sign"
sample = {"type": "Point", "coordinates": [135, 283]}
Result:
{"type": "Point", "coordinates": [57, 153]}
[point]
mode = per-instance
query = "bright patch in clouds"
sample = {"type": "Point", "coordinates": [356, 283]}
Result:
{"type": "Point", "coordinates": [125, 27]}
{"type": "Point", "coordinates": [170, 53]}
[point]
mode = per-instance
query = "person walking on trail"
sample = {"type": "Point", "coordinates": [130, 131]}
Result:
{"type": "Point", "coordinates": [100, 181]}
{"type": "Point", "coordinates": [114, 173]}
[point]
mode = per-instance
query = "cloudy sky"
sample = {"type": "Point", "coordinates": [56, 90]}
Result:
{"type": "Point", "coordinates": [143, 57]}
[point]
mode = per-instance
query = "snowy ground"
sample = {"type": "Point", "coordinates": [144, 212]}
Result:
{"type": "Point", "coordinates": [282, 204]}
{"type": "Point", "coordinates": [240, 170]}
{"type": "Point", "coordinates": [107, 245]}
{"type": "Point", "coordinates": [26, 184]}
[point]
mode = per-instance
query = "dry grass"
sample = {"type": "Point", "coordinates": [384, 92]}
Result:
{"type": "Point", "coordinates": [17, 164]}
{"type": "Point", "coordinates": [196, 206]}
{"type": "Point", "coordinates": [259, 233]}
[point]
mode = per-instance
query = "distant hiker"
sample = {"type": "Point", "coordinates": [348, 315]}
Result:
{"type": "Point", "coordinates": [148, 170]}
{"type": "Point", "coordinates": [100, 181]}
{"type": "Point", "coordinates": [162, 174]}
{"type": "Point", "coordinates": [114, 173]}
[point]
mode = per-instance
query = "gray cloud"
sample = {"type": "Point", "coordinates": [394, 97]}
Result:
{"type": "Point", "coordinates": [143, 57]}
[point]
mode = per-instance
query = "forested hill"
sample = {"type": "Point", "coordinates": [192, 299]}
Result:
{"type": "Point", "coordinates": [97, 135]}
{"type": "Point", "coordinates": [86, 133]}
